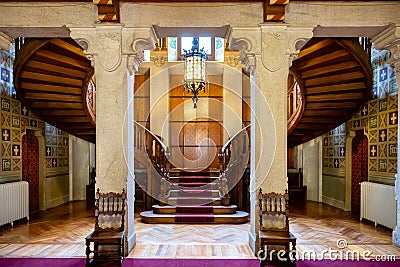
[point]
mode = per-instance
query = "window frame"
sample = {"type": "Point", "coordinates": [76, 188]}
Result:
{"type": "Point", "coordinates": [210, 57]}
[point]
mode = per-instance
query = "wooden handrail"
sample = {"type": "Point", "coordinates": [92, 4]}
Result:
{"type": "Point", "coordinates": [233, 151]}
{"type": "Point", "coordinates": [89, 98]}
{"type": "Point", "coordinates": [152, 148]}
{"type": "Point", "coordinates": [233, 160]}
{"type": "Point", "coordinates": [296, 96]}
{"type": "Point", "coordinates": [229, 142]}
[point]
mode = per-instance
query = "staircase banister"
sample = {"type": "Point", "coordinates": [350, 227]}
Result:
{"type": "Point", "coordinates": [164, 146]}
{"type": "Point", "coordinates": [224, 147]}
{"type": "Point", "coordinates": [294, 119]}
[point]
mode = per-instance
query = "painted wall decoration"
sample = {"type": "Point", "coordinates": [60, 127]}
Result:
{"type": "Point", "coordinates": [378, 118]}
{"type": "Point", "coordinates": [333, 151]}
{"type": "Point", "coordinates": [15, 118]}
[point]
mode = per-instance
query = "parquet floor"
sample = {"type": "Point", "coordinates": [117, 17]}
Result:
{"type": "Point", "coordinates": [206, 241]}
{"type": "Point", "coordinates": [320, 227]}
{"type": "Point", "coordinates": [57, 232]}
{"type": "Point", "coordinates": [60, 232]}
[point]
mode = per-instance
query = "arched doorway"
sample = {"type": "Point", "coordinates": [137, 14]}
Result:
{"type": "Point", "coordinates": [30, 168]}
{"type": "Point", "coordinates": [359, 169]}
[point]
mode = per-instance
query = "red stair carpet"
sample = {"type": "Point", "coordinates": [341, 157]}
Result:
{"type": "Point", "coordinates": [193, 205]}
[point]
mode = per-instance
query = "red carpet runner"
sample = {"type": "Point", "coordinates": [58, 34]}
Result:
{"type": "Point", "coordinates": [194, 205]}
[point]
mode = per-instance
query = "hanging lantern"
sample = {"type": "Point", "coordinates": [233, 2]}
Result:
{"type": "Point", "coordinates": [195, 70]}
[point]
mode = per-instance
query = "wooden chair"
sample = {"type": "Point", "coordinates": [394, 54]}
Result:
{"type": "Point", "coordinates": [274, 230]}
{"type": "Point", "coordinates": [108, 235]}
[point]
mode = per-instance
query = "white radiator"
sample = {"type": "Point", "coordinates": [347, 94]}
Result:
{"type": "Point", "coordinates": [378, 204]}
{"type": "Point", "coordinates": [14, 202]}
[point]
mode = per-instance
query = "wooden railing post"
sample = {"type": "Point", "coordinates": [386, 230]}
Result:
{"type": "Point", "coordinates": [231, 162]}
{"type": "Point", "coordinates": [158, 154]}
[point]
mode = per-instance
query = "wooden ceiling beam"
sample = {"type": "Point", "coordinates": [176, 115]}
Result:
{"type": "Point", "coordinates": [336, 88]}
{"type": "Point", "coordinates": [69, 119]}
{"type": "Point", "coordinates": [51, 79]}
{"type": "Point", "coordinates": [335, 79]}
{"type": "Point", "coordinates": [329, 120]}
{"type": "Point", "coordinates": [64, 60]}
{"type": "Point", "coordinates": [325, 113]}
{"type": "Point", "coordinates": [53, 97]}
{"type": "Point", "coordinates": [341, 67]}
{"type": "Point", "coordinates": [69, 47]}
{"type": "Point", "coordinates": [26, 86]}
{"type": "Point", "coordinates": [312, 126]}
{"type": "Point", "coordinates": [56, 105]}
{"type": "Point", "coordinates": [87, 132]}
{"type": "Point", "coordinates": [332, 105]}
{"type": "Point", "coordinates": [77, 126]}
{"type": "Point", "coordinates": [335, 97]}
{"type": "Point", "coordinates": [37, 66]}
{"type": "Point", "coordinates": [303, 65]}
{"type": "Point", "coordinates": [309, 51]}
{"type": "Point", "coordinates": [63, 112]}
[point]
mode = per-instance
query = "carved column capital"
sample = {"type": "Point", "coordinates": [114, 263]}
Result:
{"type": "Point", "coordinates": [136, 41]}
{"type": "Point", "coordinates": [5, 41]}
{"type": "Point", "coordinates": [248, 46]}
{"type": "Point", "coordinates": [102, 44]}
{"type": "Point", "coordinates": [250, 62]}
{"type": "Point", "coordinates": [296, 39]}
{"type": "Point", "coordinates": [107, 45]}
{"type": "Point", "coordinates": [389, 39]}
{"type": "Point", "coordinates": [280, 41]}
{"type": "Point", "coordinates": [273, 38]}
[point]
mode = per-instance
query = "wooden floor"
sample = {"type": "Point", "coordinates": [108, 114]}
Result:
{"type": "Point", "coordinates": [319, 227]}
{"type": "Point", "coordinates": [60, 232]}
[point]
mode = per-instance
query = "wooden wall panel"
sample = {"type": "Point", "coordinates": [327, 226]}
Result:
{"type": "Point", "coordinates": [142, 99]}
{"type": "Point", "coordinates": [206, 125]}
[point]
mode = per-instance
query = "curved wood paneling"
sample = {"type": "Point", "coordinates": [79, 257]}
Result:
{"type": "Point", "coordinates": [335, 75]}
{"type": "Point", "coordinates": [51, 77]}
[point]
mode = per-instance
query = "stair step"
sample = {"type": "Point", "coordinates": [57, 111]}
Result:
{"type": "Point", "coordinates": [151, 217]}
{"type": "Point", "coordinates": [194, 201]}
{"type": "Point", "coordinates": [157, 209]}
{"type": "Point", "coordinates": [179, 172]}
{"type": "Point", "coordinates": [195, 193]}
{"type": "Point", "coordinates": [193, 179]}
{"type": "Point", "coordinates": [212, 185]}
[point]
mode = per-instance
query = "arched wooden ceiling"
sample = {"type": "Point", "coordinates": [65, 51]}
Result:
{"type": "Point", "coordinates": [335, 76]}
{"type": "Point", "coordinates": [51, 77]}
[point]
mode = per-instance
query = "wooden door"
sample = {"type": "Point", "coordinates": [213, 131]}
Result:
{"type": "Point", "coordinates": [30, 167]}
{"type": "Point", "coordinates": [196, 133]}
{"type": "Point", "coordinates": [359, 169]}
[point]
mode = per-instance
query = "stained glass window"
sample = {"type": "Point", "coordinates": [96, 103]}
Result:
{"type": "Point", "coordinates": [214, 47]}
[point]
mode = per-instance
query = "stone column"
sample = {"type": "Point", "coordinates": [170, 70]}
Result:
{"type": "Point", "coordinates": [267, 53]}
{"type": "Point", "coordinates": [5, 41]}
{"type": "Point", "coordinates": [116, 53]}
{"type": "Point", "coordinates": [389, 39]}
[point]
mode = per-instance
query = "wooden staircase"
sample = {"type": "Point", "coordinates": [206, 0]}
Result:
{"type": "Point", "coordinates": [329, 81]}
{"type": "Point", "coordinates": [53, 78]}
{"type": "Point", "coordinates": [194, 198]}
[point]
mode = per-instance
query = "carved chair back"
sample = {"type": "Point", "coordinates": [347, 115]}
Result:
{"type": "Point", "coordinates": [275, 207]}
{"type": "Point", "coordinates": [110, 211]}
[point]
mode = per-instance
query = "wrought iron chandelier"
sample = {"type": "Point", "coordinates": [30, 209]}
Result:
{"type": "Point", "coordinates": [195, 70]}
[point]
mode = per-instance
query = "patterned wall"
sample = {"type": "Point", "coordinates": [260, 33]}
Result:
{"type": "Point", "coordinates": [15, 118]}
{"type": "Point", "coordinates": [378, 119]}
{"type": "Point", "coordinates": [333, 151]}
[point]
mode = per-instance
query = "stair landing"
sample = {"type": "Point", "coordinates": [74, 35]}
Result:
{"type": "Point", "coordinates": [194, 199]}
